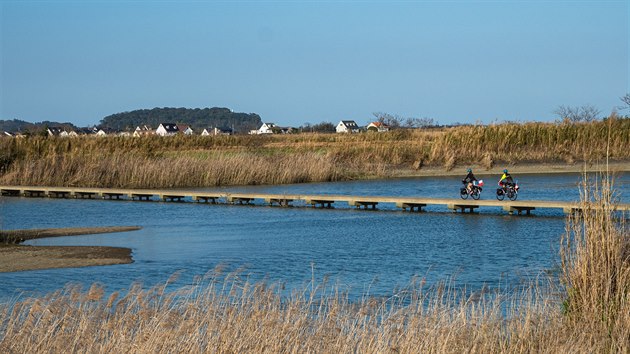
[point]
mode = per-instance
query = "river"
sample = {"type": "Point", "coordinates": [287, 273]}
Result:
{"type": "Point", "coordinates": [360, 251]}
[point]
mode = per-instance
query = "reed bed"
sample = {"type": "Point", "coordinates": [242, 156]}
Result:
{"type": "Point", "coordinates": [133, 171]}
{"type": "Point", "coordinates": [196, 161]}
{"type": "Point", "coordinates": [589, 313]}
{"type": "Point", "coordinates": [596, 269]}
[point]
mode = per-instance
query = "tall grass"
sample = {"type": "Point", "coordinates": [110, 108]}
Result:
{"type": "Point", "coordinates": [133, 171]}
{"type": "Point", "coordinates": [596, 269]}
{"type": "Point", "coordinates": [234, 316]}
{"type": "Point", "coordinates": [186, 161]}
{"type": "Point", "coordinates": [227, 314]}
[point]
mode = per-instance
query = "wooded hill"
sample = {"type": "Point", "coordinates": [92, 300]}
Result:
{"type": "Point", "coordinates": [20, 126]}
{"type": "Point", "coordinates": [197, 118]}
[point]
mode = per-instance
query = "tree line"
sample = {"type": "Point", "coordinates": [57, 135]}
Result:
{"type": "Point", "coordinates": [196, 118]}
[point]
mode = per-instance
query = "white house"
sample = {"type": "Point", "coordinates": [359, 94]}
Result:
{"type": "Point", "coordinates": [286, 130]}
{"type": "Point", "coordinates": [167, 129]}
{"type": "Point", "coordinates": [216, 131]}
{"type": "Point", "coordinates": [347, 126]}
{"type": "Point", "coordinates": [185, 129]}
{"type": "Point", "coordinates": [378, 127]}
{"type": "Point", "coordinates": [103, 132]}
{"type": "Point", "coordinates": [266, 128]}
{"type": "Point", "coordinates": [54, 131]}
{"type": "Point", "coordinates": [143, 131]}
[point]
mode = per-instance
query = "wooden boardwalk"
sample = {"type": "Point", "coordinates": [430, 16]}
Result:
{"type": "Point", "coordinates": [325, 201]}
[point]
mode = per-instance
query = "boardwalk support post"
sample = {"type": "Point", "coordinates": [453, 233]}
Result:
{"type": "Point", "coordinates": [283, 202]}
{"type": "Point", "coordinates": [462, 207]}
{"type": "Point", "coordinates": [360, 203]}
{"type": "Point", "coordinates": [511, 209]}
{"type": "Point", "coordinates": [324, 203]}
{"type": "Point", "coordinates": [411, 206]}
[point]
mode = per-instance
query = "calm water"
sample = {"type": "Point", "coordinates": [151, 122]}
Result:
{"type": "Point", "coordinates": [375, 251]}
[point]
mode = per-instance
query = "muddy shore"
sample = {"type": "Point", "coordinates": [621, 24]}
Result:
{"type": "Point", "coordinates": [15, 257]}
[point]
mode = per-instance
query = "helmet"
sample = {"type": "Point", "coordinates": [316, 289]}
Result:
{"type": "Point", "coordinates": [469, 170]}
{"type": "Point", "coordinates": [505, 171]}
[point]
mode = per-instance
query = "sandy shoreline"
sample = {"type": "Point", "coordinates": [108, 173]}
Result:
{"type": "Point", "coordinates": [16, 258]}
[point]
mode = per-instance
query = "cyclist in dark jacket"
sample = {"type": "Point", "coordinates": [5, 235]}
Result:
{"type": "Point", "coordinates": [469, 180]}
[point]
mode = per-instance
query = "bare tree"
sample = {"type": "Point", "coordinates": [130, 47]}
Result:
{"type": "Point", "coordinates": [589, 113]}
{"type": "Point", "coordinates": [396, 121]}
{"type": "Point", "coordinates": [626, 102]}
{"type": "Point", "coordinates": [393, 121]}
{"type": "Point", "coordinates": [412, 122]}
{"type": "Point", "coordinates": [586, 113]}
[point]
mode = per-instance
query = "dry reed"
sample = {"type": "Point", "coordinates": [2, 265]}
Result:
{"type": "Point", "coordinates": [596, 269]}
{"type": "Point", "coordinates": [198, 161]}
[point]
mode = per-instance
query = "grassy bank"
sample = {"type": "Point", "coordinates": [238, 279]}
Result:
{"type": "Point", "coordinates": [238, 160]}
{"type": "Point", "coordinates": [590, 313]}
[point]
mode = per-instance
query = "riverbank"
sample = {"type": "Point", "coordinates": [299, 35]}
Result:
{"type": "Point", "coordinates": [16, 258]}
{"type": "Point", "coordinates": [199, 161]}
{"type": "Point", "coordinates": [516, 169]}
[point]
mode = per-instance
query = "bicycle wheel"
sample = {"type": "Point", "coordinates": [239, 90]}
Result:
{"type": "Point", "coordinates": [463, 193]}
{"type": "Point", "coordinates": [476, 193]}
{"type": "Point", "coordinates": [500, 194]}
{"type": "Point", "coordinates": [512, 195]}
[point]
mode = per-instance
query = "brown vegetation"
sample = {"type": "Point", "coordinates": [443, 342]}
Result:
{"type": "Point", "coordinates": [225, 314]}
{"type": "Point", "coordinates": [237, 160]}
{"type": "Point", "coordinates": [596, 270]}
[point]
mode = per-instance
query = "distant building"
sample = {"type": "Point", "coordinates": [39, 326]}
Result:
{"type": "Point", "coordinates": [286, 130]}
{"type": "Point", "coordinates": [266, 128]}
{"type": "Point", "coordinates": [54, 131]}
{"type": "Point", "coordinates": [144, 130]}
{"type": "Point", "coordinates": [12, 135]}
{"type": "Point", "coordinates": [217, 131]}
{"type": "Point", "coordinates": [347, 126]}
{"type": "Point", "coordinates": [185, 129]}
{"type": "Point", "coordinates": [86, 131]}
{"type": "Point", "coordinates": [105, 132]}
{"type": "Point", "coordinates": [167, 129]}
{"type": "Point", "coordinates": [378, 127]}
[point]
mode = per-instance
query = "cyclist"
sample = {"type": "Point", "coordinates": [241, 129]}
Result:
{"type": "Point", "coordinates": [506, 179]}
{"type": "Point", "coordinates": [469, 180]}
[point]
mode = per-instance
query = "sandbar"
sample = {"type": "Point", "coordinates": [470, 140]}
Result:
{"type": "Point", "coordinates": [16, 258]}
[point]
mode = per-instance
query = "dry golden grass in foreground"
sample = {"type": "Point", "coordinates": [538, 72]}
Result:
{"type": "Point", "coordinates": [230, 315]}
{"type": "Point", "coordinates": [198, 161]}
{"type": "Point", "coordinates": [596, 269]}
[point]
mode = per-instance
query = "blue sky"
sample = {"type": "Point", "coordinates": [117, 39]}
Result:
{"type": "Point", "coordinates": [311, 61]}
